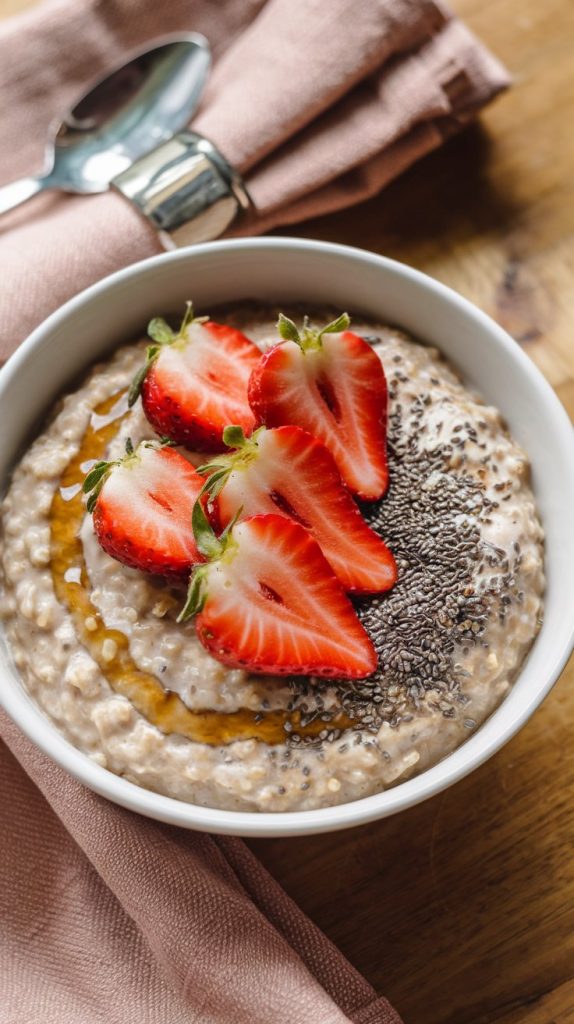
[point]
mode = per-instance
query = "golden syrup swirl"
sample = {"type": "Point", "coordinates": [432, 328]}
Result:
{"type": "Point", "coordinates": [163, 708]}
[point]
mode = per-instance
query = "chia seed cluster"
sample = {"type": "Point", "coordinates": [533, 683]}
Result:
{"type": "Point", "coordinates": [429, 518]}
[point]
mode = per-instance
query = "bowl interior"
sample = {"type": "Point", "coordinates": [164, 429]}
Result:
{"type": "Point", "coordinates": [287, 270]}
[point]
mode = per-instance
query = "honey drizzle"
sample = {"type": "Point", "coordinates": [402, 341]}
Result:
{"type": "Point", "coordinates": [163, 708]}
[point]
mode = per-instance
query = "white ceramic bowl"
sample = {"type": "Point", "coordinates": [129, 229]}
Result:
{"type": "Point", "coordinates": [284, 269]}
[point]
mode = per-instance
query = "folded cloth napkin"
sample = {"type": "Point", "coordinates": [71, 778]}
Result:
{"type": "Point", "coordinates": [108, 916]}
{"type": "Point", "coordinates": [318, 105]}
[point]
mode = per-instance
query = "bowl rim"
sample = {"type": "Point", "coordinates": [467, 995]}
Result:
{"type": "Point", "coordinates": [38, 728]}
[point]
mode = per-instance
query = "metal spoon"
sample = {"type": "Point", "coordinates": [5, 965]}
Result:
{"type": "Point", "coordinates": [123, 116]}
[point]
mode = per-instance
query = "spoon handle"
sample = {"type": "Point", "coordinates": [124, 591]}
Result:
{"type": "Point", "coordinates": [19, 191]}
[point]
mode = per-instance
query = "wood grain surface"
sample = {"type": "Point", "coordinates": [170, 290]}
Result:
{"type": "Point", "coordinates": [461, 910]}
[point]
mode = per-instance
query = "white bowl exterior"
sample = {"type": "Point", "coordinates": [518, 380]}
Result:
{"type": "Point", "coordinates": [283, 270]}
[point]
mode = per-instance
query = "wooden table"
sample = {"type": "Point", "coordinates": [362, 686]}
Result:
{"type": "Point", "coordinates": [462, 910]}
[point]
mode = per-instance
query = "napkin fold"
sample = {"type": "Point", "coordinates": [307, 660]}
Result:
{"type": "Point", "coordinates": [106, 915]}
{"type": "Point", "coordinates": [318, 105]}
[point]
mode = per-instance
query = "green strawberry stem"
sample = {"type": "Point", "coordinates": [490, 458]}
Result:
{"type": "Point", "coordinates": [211, 547]}
{"type": "Point", "coordinates": [94, 476]}
{"type": "Point", "coordinates": [206, 540]}
{"type": "Point", "coordinates": [162, 334]}
{"type": "Point", "coordinates": [218, 470]}
{"type": "Point", "coordinates": [98, 474]}
{"type": "Point", "coordinates": [196, 594]}
{"type": "Point", "coordinates": [136, 385]}
{"type": "Point", "coordinates": [94, 482]}
{"type": "Point", "coordinates": [160, 331]}
{"type": "Point", "coordinates": [308, 338]}
{"type": "Point", "coordinates": [234, 437]}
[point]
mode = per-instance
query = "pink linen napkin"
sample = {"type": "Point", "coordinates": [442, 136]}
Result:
{"type": "Point", "coordinates": [317, 104]}
{"type": "Point", "coordinates": [108, 916]}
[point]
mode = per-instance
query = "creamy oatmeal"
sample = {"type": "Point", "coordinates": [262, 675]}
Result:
{"type": "Point", "coordinates": [98, 647]}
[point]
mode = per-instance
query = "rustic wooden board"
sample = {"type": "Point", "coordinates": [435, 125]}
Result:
{"type": "Point", "coordinates": [462, 910]}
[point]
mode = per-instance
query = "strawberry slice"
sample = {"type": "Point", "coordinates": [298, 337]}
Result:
{"type": "Point", "coordinates": [195, 382]}
{"type": "Point", "coordinates": [142, 507]}
{"type": "Point", "coordinates": [331, 383]}
{"type": "Point", "coordinates": [269, 602]}
{"type": "Point", "coordinates": [286, 470]}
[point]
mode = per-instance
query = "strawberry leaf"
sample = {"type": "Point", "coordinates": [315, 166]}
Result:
{"type": "Point", "coordinates": [94, 476]}
{"type": "Point", "coordinates": [287, 329]}
{"type": "Point", "coordinates": [95, 481]}
{"type": "Point", "coordinates": [163, 442]}
{"type": "Point", "coordinates": [160, 331]}
{"type": "Point", "coordinates": [212, 467]}
{"type": "Point", "coordinates": [136, 384]}
{"type": "Point", "coordinates": [196, 595]}
{"type": "Point", "coordinates": [336, 326]}
{"type": "Point", "coordinates": [205, 539]}
{"type": "Point", "coordinates": [310, 338]}
{"type": "Point", "coordinates": [218, 470]}
{"type": "Point", "coordinates": [230, 525]}
{"type": "Point", "coordinates": [91, 502]}
{"type": "Point", "coordinates": [215, 483]}
{"type": "Point", "coordinates": [234, 437]}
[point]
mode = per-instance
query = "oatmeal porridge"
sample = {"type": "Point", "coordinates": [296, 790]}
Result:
{"type": "Point", "coordinates": [99, 647]}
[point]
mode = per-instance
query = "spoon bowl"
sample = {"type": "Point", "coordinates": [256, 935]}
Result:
{"type": "Point", "coordinates": [120, 118]}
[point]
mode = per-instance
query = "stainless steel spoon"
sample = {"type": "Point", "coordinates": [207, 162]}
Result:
{"type": "Point", "coordinates": [123, 116]}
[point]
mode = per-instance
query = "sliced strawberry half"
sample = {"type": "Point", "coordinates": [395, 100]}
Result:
{"type": "Point", "coordinates": [195, 382]}
{"type": "Point", "coordinates": [285, 470]}
{"type": "Point", "coordinates": [269, 602]}
{"type": "Point", "coordinates": [331, 383]}
{"type": "Point", "coordinates": [142, 507]}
